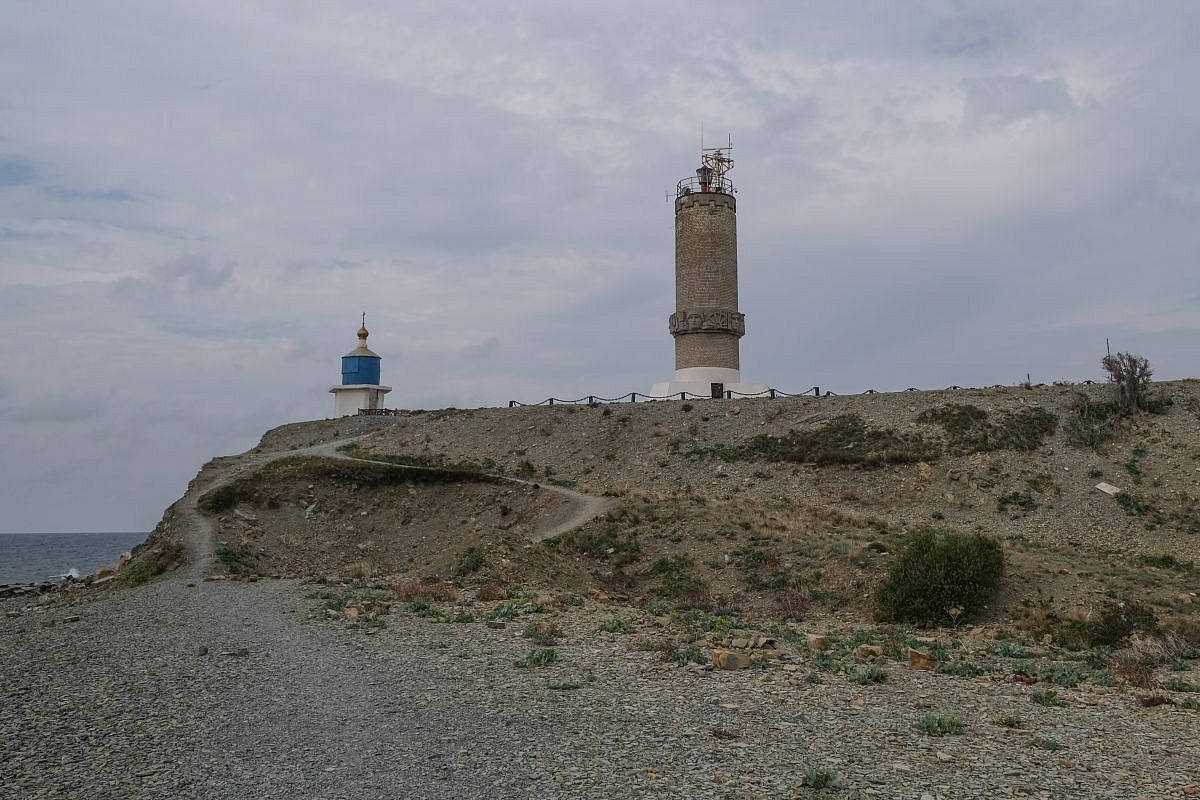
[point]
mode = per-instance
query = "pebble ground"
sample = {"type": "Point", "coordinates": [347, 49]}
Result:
{"type": "Point", "coordinates": [120, 704]}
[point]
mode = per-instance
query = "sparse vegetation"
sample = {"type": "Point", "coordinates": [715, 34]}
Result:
{"type": "Point", "coordinates": [606, 543]}
{"type": "Point", "coordinates": [940, 725]}
{"type": "Point", "coordinates": [1042, 743]}
{"type": "Point", "coordinates": [1108, 625]}
{"type": "Point", "coordinates": [968, 428]}
{"type": "Point", "coordinates": [820, 778]}
{"type": "Point", "coordinates": [471, 561]}
{"type": "Point", "coordinates": [845, 440]}
{"type": "Point", "coordinates": [238, 560]}
{"type": "Point", "coordinates": [362, 473]}
{"type": "Point", "coordinates": [870, 673]}
{"type": "Point", "coordinates": [1045, 697]}
{"type": "Point", "coordinates": [936, 572]}
{"type": "Point", "coordinates": [1091, 423]}
{"type": "Point", "coordinates": [615, 625]}
{"type": "Point", "coordinates": [537, 658]}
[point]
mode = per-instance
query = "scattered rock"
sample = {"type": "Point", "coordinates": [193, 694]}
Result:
{"type": "Point", "coordinates": [868, 652]}
{"type": "Point", "coordinates": [918, 659]}
{"type": "Point", "coordinates": [817, 642]}
{"type": "Point", "coordinates": [103, 572]}
{"type": "Point", "coordinates": [243, 652]}
{"type": "Point", "coordinates": [495, 624]}
{"type": "Point", "coordinates": [201, 651]}
{"type": "Point", "coordinates": [727, 659]}
{"type": "Point", "coordinates": [70, 619]}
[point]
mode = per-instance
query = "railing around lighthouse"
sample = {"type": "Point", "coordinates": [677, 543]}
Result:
{"type": "Point", "coordinates": [694, 186]}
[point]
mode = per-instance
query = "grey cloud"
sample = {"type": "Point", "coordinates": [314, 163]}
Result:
{"type": "Point", "coordinates": [1003, 99]}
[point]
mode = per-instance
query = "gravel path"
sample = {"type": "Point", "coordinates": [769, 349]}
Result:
{"type": "Point", "coordinates": [119, 705]}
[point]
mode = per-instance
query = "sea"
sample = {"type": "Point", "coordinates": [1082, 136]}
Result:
{"type": "Point", "coordinates": [37, 557]}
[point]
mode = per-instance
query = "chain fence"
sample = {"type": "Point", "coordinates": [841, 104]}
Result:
{"type": "Point", "coordinates": [729, 394]}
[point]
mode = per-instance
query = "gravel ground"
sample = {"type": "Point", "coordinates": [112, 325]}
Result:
{"type": "Point", "coordinates": [118, 704]}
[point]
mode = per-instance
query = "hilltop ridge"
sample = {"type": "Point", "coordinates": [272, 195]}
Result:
{"type": "Point", "coordinates": [762, 502]}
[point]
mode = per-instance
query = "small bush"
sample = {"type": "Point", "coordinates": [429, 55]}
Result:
{"type": "Point", "coordinates": [939, 571]}
{"type": "Point", "coordinates": [940, 725]}
{"type": "Point", "coordinates": [1042, 743]}
{"type": "Point", "coordinates": [606, 544]}
{"type": "Point", "coordinates": [471, 561]}
{"type": "Point", "coordinates": [960, 669]}
{"type": "Point", "coordinates": [1109, 625]}
{"type": "Point", "coordinates": [820, 778]}
{"type": "Point", "coordinates": [1177, 684]}
{"type": "Point", "coordinates": [546, 634]}
{"type": "Point", "coordinates": [1131, 374]}
{"type": "Point", "coordinates": [1091, 423]}
{"type": "Point", "coordinates": [1045, 697]}
{"type": "Point", "coordinates": [872, 673]}
{"type": "Point", "coordinates": [615, 625]}
{"type": "Point", "coordinates": [238, 560]}
{"type": "Point", "coordinates": [1010, 721]}
{"type": "Point", "coordinates": [1167, 561]}
{"type": "Point", "coordinates": [537, 658]}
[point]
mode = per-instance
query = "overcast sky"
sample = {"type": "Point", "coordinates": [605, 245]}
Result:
{"type": "Point", "coordinates": [197, 200]}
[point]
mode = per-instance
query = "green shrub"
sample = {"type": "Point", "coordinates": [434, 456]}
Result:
{"type": "Point", "coordinates": [1109, 625]}
{"type": "Point", "coordinates": [960, 669]}
{"type": "Point", "coordinates": [969, 430]}
{"type": "Point", "coordinates": [472, 560]}
{"type": "Point", "coordinates": [872, 673]}
{"type": "Point", "coordinates": [937, 571]}
{"type": "Point", "coordinates": [219, 499]}
{"type": "Point", "coordinates": [607, 543]}
{"type": "Point", "coordinates": [615, 625]}
{"type": "Point", "coordinates": [846, 439]}
{"type": "Point", "coordinates": [819, 778]}
{"type": "Point", "coordinates": [1042, 743]}
{"type": "Point", "coordinates": [940, 725]}
{"type": "Point", "coordinates": [1045, 697]}
{"type": "Point", "coordinates": [1177, 684]}
{"type": "Point", "coordinates": [537, 658]}
{"type": "Point", "coordinates": [238, 560]}
{"type": "Point", "coordinates": [150, 562]}
{"type": "Point", "coordinates": [1091, 423]}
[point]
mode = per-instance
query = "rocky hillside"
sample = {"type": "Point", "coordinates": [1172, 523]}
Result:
{"type": "Point", "coordinates": [782, 506]}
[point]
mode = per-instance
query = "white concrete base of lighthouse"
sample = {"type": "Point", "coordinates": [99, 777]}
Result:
{"type": "Point", "coordinates": [699, 383]}
{"type": "Point", "coordinates": [348, 399]}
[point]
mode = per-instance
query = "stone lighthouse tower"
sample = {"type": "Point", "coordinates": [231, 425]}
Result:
{"type": "Point", "coordinates": [707, 325]}
{"type": "Point", "coordinates": [360, 387]}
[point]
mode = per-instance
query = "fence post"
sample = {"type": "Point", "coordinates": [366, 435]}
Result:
{"type": "Point", "coordinates": [551, 401]}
